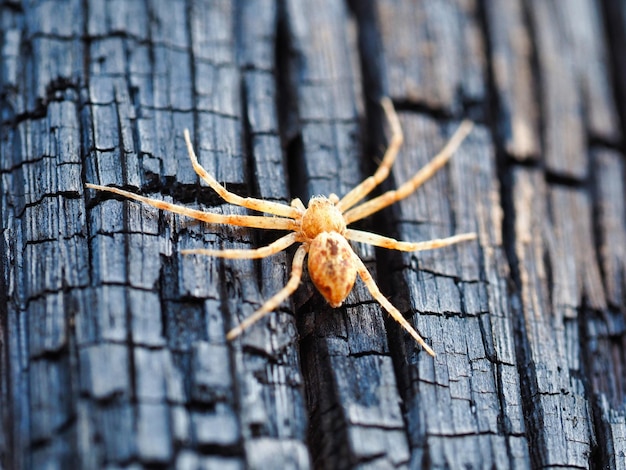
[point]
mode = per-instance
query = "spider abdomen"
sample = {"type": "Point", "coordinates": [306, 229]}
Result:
{"type": "Point", "coordinates": [331, 267]}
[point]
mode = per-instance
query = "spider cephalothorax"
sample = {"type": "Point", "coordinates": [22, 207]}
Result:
{"type": "Point", "coordinates": [321, 228]}
{"type": "Point", "coordinates": [322, 215]}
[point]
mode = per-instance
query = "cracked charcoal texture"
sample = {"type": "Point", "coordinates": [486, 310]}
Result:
{"type": "Point", "coordinates": [113, 344]}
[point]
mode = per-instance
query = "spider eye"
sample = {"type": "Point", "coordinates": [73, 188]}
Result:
{"type": "Point", "coordinates": [331, 267]}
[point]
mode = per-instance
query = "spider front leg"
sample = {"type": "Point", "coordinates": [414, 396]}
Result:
{"type": "Point", "coordinates": [260, 205]}
{"type": "Point", "coordinates": [424, 174]}
{"type": "Point", "coordinates": [393, 311]}
{"type": "Point", "coordinates": [395, 142]}
{"type": "Point", "coordinates": [278, 298]}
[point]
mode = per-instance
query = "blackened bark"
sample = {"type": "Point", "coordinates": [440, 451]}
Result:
{"type": "Point", "coordinates": [113, 343]}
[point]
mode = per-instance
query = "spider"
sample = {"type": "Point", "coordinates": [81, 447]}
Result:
{"type": "Point", "coordinates": [321, 228]}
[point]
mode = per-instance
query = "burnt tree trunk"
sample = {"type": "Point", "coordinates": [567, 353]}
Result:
{"type": "Point", "coordinates": [113, 343]}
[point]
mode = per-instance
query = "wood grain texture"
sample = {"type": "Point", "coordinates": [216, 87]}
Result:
{"type": "Point", "coordinates": [113, 343]}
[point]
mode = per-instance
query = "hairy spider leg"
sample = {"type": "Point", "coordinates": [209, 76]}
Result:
{"type": "Point", "coordinates": [254, 221]}
{"type": "Point", "coordinates": [393, 244]}
{"type": "Point", "coordinates": [393, 311]}
{"type": "Point", "coordinates": [275, 247]}
{"type": "Point", "coordinates": [278, 298]}
{"type": "Point", "coordinates": [260, 205]}
{"type": "Point", "coordinates": [425, 173]}
{"type": "Point", "coordinates": [395, 142]}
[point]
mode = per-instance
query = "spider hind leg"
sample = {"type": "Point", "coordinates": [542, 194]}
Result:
{"type": "Point", "coordinates": [272, 303]}
{"type": "Point", "coordinates": [393, 311]}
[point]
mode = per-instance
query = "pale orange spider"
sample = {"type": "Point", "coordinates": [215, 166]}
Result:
{"type": "Point", "coordinates": [321, 228]}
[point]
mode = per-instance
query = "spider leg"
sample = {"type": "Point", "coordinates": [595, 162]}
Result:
{"type": "Point", "coordinates": [388, 198]}
{"type": "Point", "coordinates": [272, 248]}
{"type": "Point", "coordinates": [393, 311]}
{"type": "Point", "coordinates": [393, 244]}
{"type": "Point", "coordinates": [297, 203]}
{"type": "Point", "coordinates": [277, 299]}
{"type": "Point", "coordinates": [395, 142]}
{"type": "Point", "coordinates": [254, 221]}
{"type": "Point", "coordinates": [260, 205]}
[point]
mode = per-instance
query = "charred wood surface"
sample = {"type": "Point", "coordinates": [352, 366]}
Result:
{"type": "Point", "coordinates": [113, 344]}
